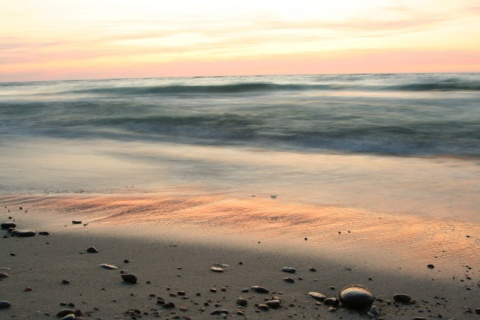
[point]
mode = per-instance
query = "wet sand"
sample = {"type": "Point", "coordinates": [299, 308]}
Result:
{"type": "Point", "coordinates": [172, 239]}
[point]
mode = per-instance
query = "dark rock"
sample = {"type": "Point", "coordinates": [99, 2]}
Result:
{"type": "Point", "coordinates": [430, 266]}
{"type": "Point", "coordinates": [92, 250]}
{"type": "Point", "coordinates": [289, 269]}
{"type": "Point", "coordinates": [219, 312]}
{"type": "Point", "coordinates": [4, 275]}
{"type": "Point", "coordinates": [273, 304]}
{"type": "Point", "coordinates": [289, 280]}
{"type": "Point", "coordinates": [65, 282]}
{"type": "Point", "coordinates": [331, 301]}
{"type": "Point", "coordinates": [242, 302]}
{"type": "Point", "coordinates": [356, 297]}
{"type": "Point", "coordinates": [168, 305]}
{"type": "Point", "coordinates": [259, 289]}
{"type": "Point", "coordinates": [374, 311]}
{"type": "Point", "coordinates": [312, 270]}
{"type": "Point", "coordinates": [4, 304]}
{"type": "Point", "coordinates": [402, 298]}
{"type": "Point", "coordinates": [263, 307]}
{"type": "Point", "coordinates": [317, 296]}
{"type": "Point", "coordinates": [126, 261]}
{"type": "Point", "coordinates": [108, 266]}
{"type": "Point", "coordinates": [44, 233]}
{"type": "Point", "coordinates": [76, 222]}
{"type": "Point", "coordinates": [12, 254]}
{"type": "Point", "coordinates": [65, 312]}
{"type": "Point", "coordinates": [181, 293]}
{"type": "Point", "coordinates": [8, 225]}
{"type": "Point", "coordinates": [477, 311]}
{"type": "Point", "coordinates": [23, 233]}
{"type": "Point", "coordinates": [69, 317]}
{"type": "Point", "coordinates": [130, 278]}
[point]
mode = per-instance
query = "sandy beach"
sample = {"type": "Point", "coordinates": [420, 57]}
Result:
{"type": "Point", "coordinates": [170, 241]}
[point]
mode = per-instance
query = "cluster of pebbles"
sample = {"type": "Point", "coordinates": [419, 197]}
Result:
{"type": "Point", "coordinates": [356, 297]}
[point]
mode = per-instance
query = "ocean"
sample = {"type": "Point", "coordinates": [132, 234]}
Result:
{"type": "Point", "coordinates": [398, 143]}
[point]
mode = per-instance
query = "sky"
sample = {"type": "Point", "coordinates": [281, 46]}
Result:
{"type": "Point", "coordinates": [94, 39]}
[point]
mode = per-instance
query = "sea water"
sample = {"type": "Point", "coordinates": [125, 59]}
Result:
{"type": "Point", "coordinates": [398, 143]}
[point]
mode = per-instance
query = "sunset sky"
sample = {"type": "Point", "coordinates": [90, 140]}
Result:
{"type": "Point", "coordinates": [60, 39]}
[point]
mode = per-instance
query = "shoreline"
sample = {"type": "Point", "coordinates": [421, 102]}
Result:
{"type": "Point", "coordinates": [176, 250]}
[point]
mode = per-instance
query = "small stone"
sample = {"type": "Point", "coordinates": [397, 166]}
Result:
{"type": "Point", "coordinates": [219, 312]}
{"type": "Point", "coordinates": [44, 233]}
{"type": "Point", "coordinates": [356, 297]}
{"type": "Point", "coordinates": [108, 266]}
{"type": "Point", "coordinates": [23, 233]}
{"type": "Point", "coordinates": [92, 250]}
{"type": "Point", "coordinates": [65, 312]}
{"type": "Point", "coordinates": [69, 317]}
{"type": "Point", "coordinates": [289, 269]}
{"type": "Point", "coordinates": [217, 269]}
{"type": "Point", "coordinates": [430, 266]}
{"type": "Point", "coordinates": [375, 311]}
{"type": "Point", "coordinates": [168, 305]}
{"type": "Point", "coordinates": [126, 261]}
{"type": "Point", "coordinates": [130, 278]}
{"type": "Point", "coordinates": [242, 302]}
{"type": "Point", "coordinates": [213, 290]}
{"type": "Point", "coordinates": [274, 304]}
{"type": "Point", "coordinates": [263, 307]}
{"type": "Point", "coordinates": [4, 275]}
{"type": "Point", "coordinates": [477, 311]}
{"type": "Point", "coordinates": [8, 225]}
{"type": "Point", "coordinates": [259, 289]}
{"type": "Point", "coordinates": [317, 296]}
{"type": "Point", "coordinates": [331, 301]}
{"type": "Point", "coordinates": [65, 282]}
{"type": "Point", "coordinates": [4, 304]}
{"type": "Point", "coordinates": [76, 222]}
{"type": "Point", "coordinates": [402, 298]}
{"type": "Point", "coordinates": [27, 289]}
{"type": "Point", "coordinates": [289, 280]}
{"type": "Point", "coordinates": [312, 270]}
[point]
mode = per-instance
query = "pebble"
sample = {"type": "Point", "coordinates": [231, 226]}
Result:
{"type": "Point", "coordinates": [130, 278]}
{"type": "Point", "coordinates": [4, 304]}
{"type": "Point", "coordinates": [69, 317]}
{"type": "Point", "coordinates": [263, 307]}
{"type": "Point", "coordinates": [65, 312]}
{"type": "Point", "coordinates": [317, 296]}
{"type": "Point", "coordinates": [92, 250]}
{"type": "Point", "coordinates": [274, 304]}
{"type": "Point", "coordinates": [219, 312]}
{"type": "Point", "coordinates": [430, 266]}
{"type": "Point", "coordinates": [76, 222]}
{"type": "Point", "coordinates": [242, 302]}
{"type": "Point", "coordinates": [402, 298]}
{"type": "Point", "coordinates": [259, 289]}
{"type": "Point", "coordinates": [356, 297]}
{"type": "Point", "coordinates": [331, 301]}
{"type": "Point", "coordinates": [374, 311]}
{"type": "Point", "coordinates": [217, 269]}
{"type": "Point", "coordinates": [312, 269]}
{"type": "Point", "coordinates": [4, 275]}
{"type": "Point", "coordinates": [8, 225]}
{"type": "Point", "coordinates": [289, 269]}
{"type": "Point", "coordinates": [44, 233]}
{"type": "Point", "coordinates": [289, 280]}
{"type": "Point", "coordinates": [477, 311]}
{"type": "Point", "coordinates": [108, 266]}
{"type": "Point", "coordinates": [23, 233]}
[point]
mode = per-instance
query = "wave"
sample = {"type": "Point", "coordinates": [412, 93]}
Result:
{"type": "Point", "coordinates": [268, 87]}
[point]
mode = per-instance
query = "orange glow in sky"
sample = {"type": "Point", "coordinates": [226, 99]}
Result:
{"type": "Point", "coordinates": [58, 39]}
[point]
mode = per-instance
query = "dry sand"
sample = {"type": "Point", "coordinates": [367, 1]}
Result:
{"type": "Point", "coordinates": [172, 240]}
